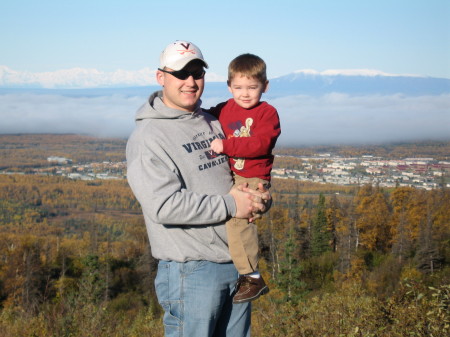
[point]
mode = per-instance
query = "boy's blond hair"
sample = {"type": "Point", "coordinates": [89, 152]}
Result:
{"type": "Point", "coordinates": [248, 65]}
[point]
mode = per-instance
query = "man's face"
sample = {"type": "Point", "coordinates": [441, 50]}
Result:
{"type": "Point", "coordinates": [182, 94]}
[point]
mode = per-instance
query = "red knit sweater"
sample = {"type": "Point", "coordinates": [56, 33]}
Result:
{"type": "Point", "coordinates": [250, 135]}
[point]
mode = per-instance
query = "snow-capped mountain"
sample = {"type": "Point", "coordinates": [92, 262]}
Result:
{"type": "Point", "coordinates": [80, 78]}
{"type": "Point", "coordinates": [357, 82]}
{"type": "Point", "coordinates": [75, 78]}
{"type": "Point", "coordinates": [301, 82]}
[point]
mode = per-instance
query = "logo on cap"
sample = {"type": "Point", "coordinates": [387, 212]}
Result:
{"type": "Point", "coordinates": [182, 52]}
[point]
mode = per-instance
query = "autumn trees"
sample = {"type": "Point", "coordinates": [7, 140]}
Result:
{"type": "Point", "coordinates": [323, 237]}
{"type": "Point", "coordinates": [74, 255]}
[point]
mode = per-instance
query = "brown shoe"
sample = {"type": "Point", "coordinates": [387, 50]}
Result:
{"type": "Point", "coordinates": [249, 289]}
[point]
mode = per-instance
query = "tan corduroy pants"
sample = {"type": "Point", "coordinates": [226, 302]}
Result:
{"type": "Point", "coordinates": [243, 236]}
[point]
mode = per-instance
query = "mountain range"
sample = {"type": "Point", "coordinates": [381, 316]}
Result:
{"type": "Point", "coordinates": [91, 82]}
{"type": "Point", "coordinates": [358, 83]}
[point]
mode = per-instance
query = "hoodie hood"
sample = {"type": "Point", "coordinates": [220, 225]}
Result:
{"type": "Point", "coordinates": [154, 108]}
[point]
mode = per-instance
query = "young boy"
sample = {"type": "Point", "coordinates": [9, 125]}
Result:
{"type": "Point", "coordinates": [251, 128]}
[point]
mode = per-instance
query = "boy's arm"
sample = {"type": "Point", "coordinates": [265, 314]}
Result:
{"type": "Point", "coordinates": [215, 110]}
{"type": "Point", "coordinates": [262, 139]}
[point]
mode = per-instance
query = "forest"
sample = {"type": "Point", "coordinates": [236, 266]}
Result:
{"type": "Point", "coordinates": [75, 261]}
{"type": "Point", "coordinates": [339, 260]}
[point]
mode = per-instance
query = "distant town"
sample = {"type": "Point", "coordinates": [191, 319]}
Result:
{"type": "Point", "coordinates": [425, 173]}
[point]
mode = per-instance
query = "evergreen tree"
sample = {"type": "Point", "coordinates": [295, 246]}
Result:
{"type": "Point", "coordinates": [92, 285]}
{"type": "Point", "coordinates": [290, 276]}
{"type": "Point", "coordinates": [320, 234]}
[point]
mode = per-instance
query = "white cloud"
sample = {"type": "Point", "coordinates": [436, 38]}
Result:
{"type": "Point", "coordinates": [305, 120]}
{"type": "Point", "coordinates": [340, 118]}
{"type": "Point", "coordinates": [99, 116]}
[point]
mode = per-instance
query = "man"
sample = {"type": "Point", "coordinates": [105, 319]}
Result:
{"type": "Point", "coordinates": [184, 190]}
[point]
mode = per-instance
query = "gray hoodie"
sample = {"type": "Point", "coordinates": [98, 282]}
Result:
{"type": "Point", "coordinates": [181, 184]}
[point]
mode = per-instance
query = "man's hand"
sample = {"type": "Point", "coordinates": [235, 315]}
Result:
{"type": "Point", "coordinates": [217, 145]}
{"type": "Point", "coordinates": [262, 201]}
{"type": "Point", "coordinates": [244, 203]}
{"type": "Point", "coordinates": [250, 203]}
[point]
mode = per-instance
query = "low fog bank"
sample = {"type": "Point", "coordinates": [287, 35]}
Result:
{"type": "Point", "coordinates": [305, 120]}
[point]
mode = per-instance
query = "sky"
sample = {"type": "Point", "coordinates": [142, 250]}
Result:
{"type": "Point", "coordinates": [50, 38]}
{"type": "Point", "coordinates": [400, 37]}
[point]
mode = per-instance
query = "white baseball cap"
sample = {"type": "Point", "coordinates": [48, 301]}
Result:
{"type": "Point", "coordinates": [179, 53]}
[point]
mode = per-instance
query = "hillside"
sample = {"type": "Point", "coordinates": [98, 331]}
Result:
{"type": "Point", "coordinates": [75, 257]}
{"type": "Point", "coordinates": [74, 260]}
{"type": "Point", "coordinates": [32, 150]}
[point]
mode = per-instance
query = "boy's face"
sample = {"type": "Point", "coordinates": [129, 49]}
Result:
{"type": "Point", "coordinates": [246, 91]}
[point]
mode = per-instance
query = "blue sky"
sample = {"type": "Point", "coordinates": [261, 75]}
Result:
{"type": "Point", "coordinates": [116, 40]}
{"type": "Point", "coordinates": [396, 36]}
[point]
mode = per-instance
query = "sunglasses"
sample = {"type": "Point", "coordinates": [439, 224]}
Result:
{"type": "Point", "coordinates": [184, 74]}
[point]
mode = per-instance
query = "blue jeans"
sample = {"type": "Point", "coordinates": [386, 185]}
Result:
{"type": "Point", "coordinates": [197, 300]}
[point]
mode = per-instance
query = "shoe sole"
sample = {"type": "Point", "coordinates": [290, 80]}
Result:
{"type": "Point", "coordinates": [263, 291]}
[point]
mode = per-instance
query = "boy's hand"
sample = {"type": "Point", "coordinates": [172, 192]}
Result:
{"type": "Point", "coordinates": [217, 146]}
